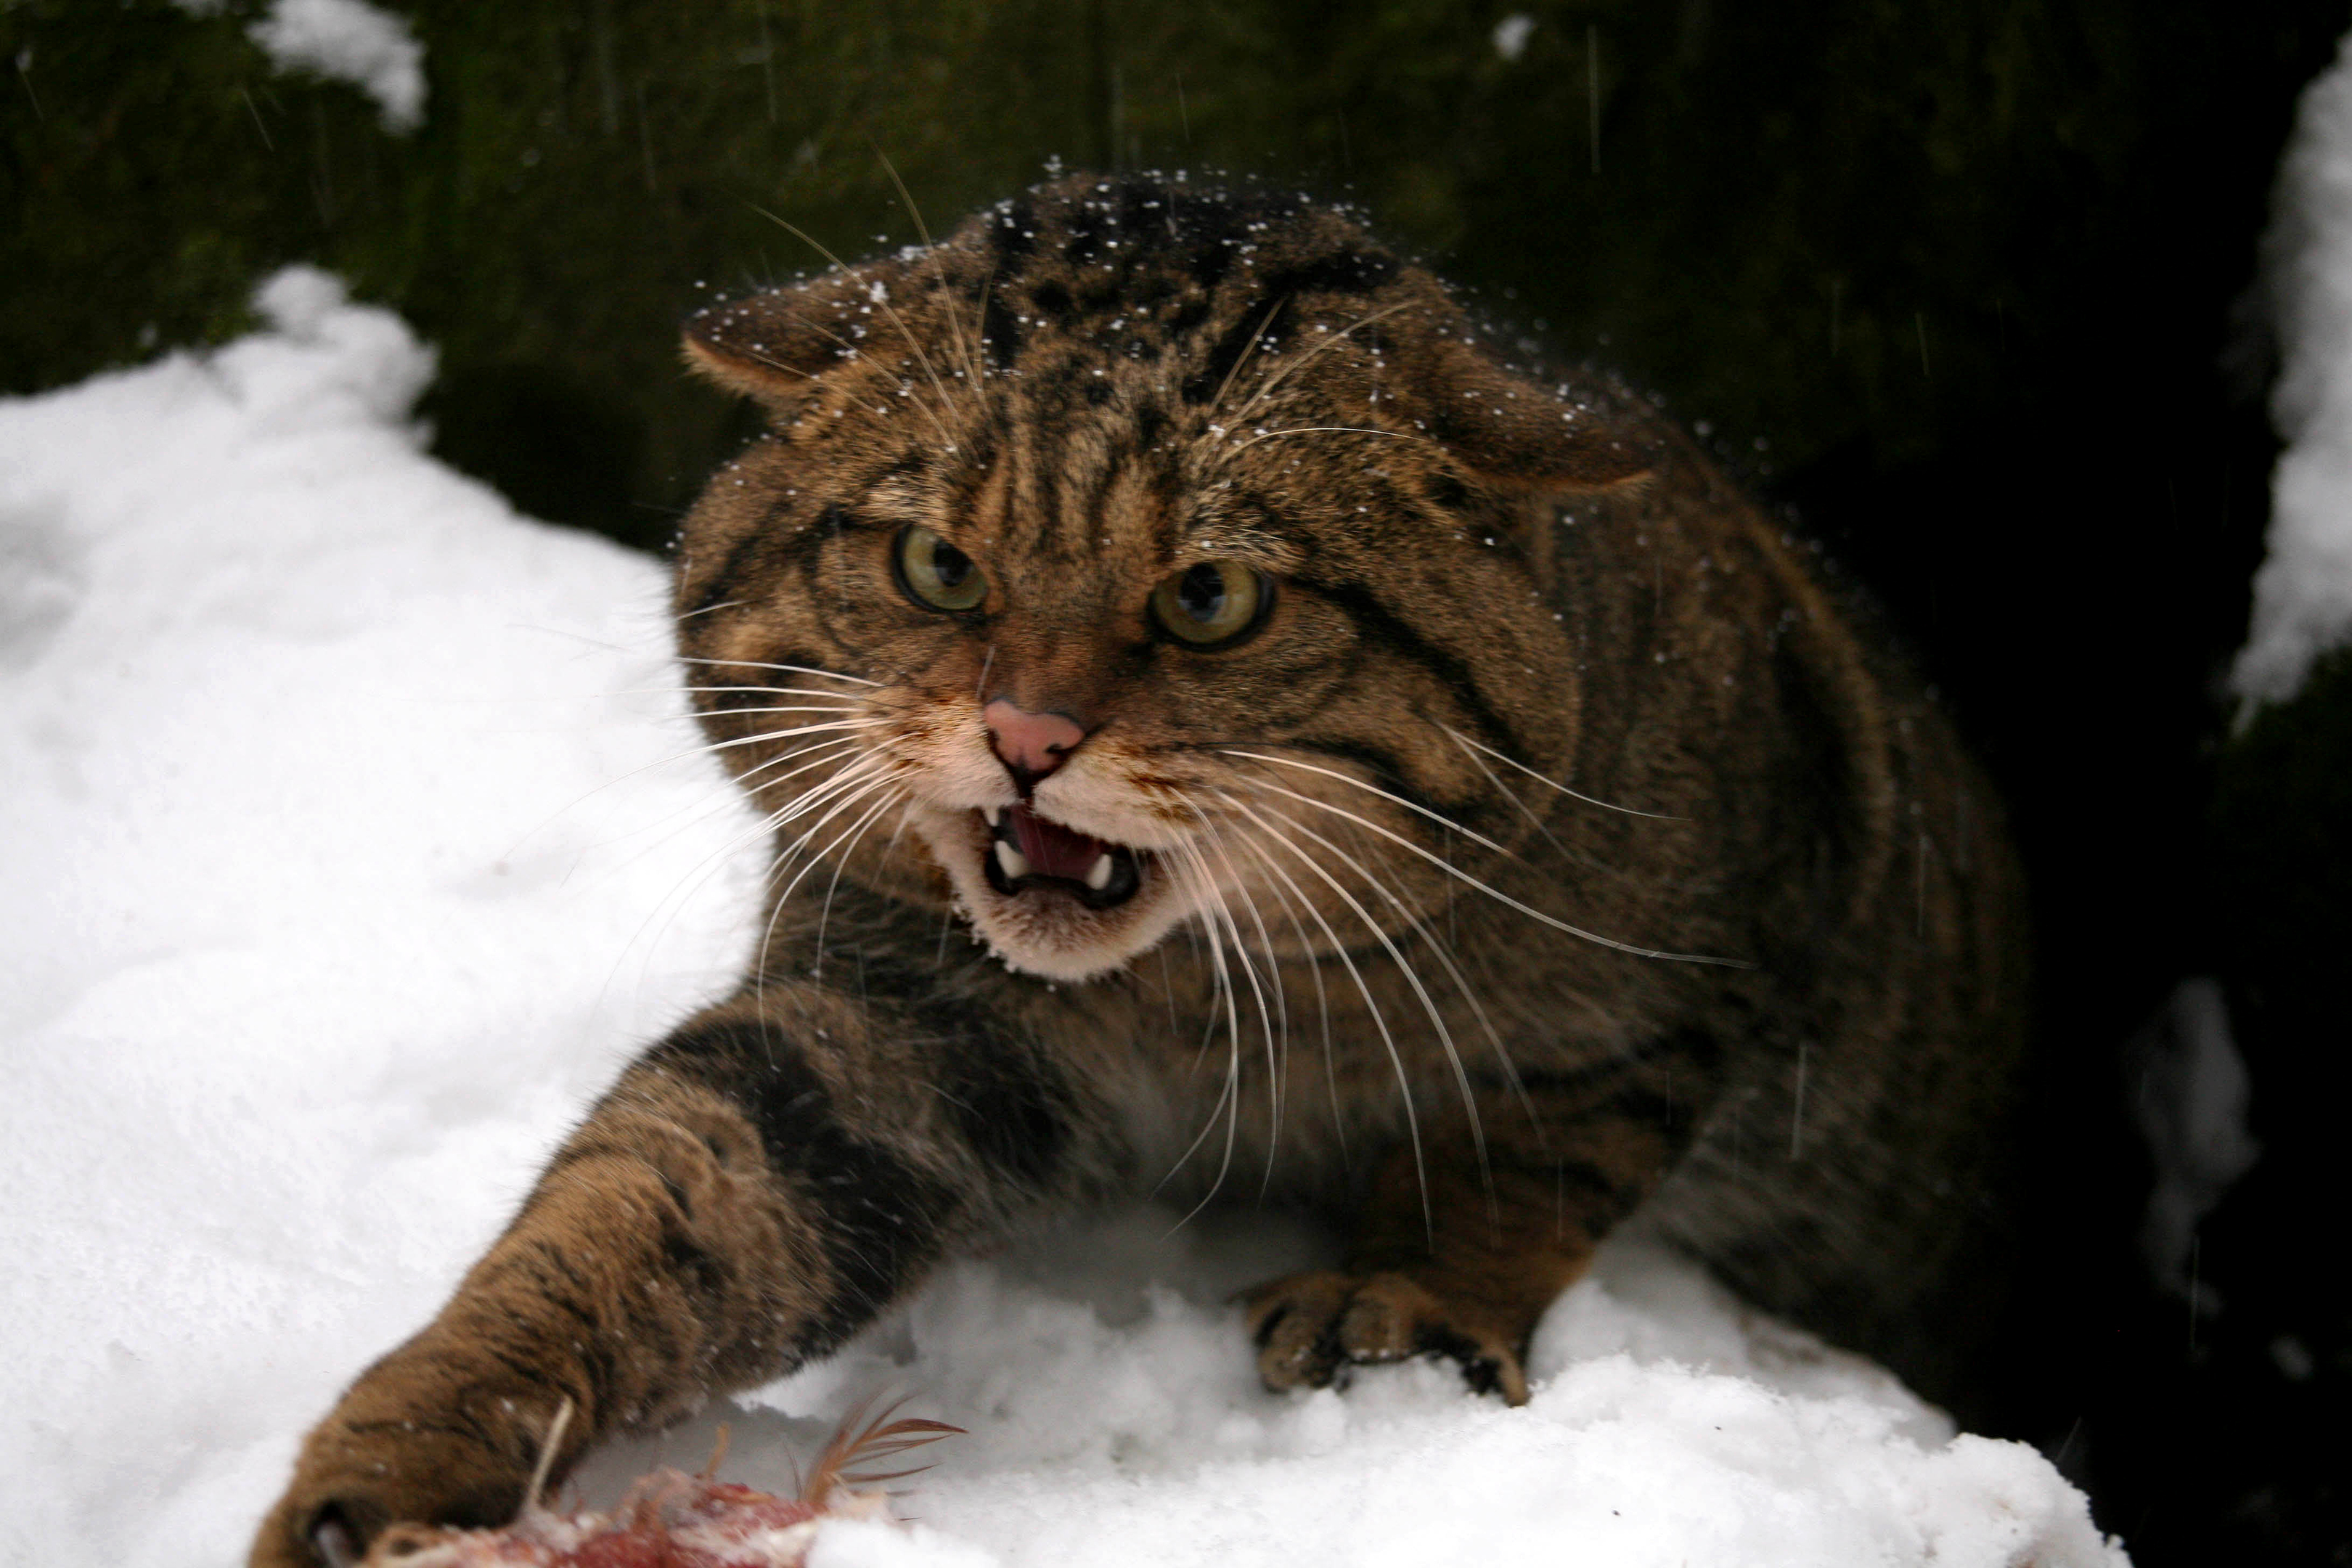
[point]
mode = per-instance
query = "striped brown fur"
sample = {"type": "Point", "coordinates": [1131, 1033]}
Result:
{"type": "Point", "coordinates": [1557, 852]}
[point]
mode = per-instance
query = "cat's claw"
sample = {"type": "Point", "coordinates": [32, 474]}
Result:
{"type": "Point", "coordinates": [1310, 1327]}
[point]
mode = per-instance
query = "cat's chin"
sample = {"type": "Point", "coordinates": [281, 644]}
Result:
{"type": "Point", "coordinates": [1114, 902]}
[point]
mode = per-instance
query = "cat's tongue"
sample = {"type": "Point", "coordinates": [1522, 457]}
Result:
{"type": "Point", "coordinates": [1051, 849]}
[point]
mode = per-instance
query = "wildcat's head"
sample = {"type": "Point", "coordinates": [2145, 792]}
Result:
{"type": "Point", "coordinates": [1141, 553]}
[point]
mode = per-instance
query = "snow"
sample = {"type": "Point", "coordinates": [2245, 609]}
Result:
{"type": "Point", "coordinates": [353, 41]}
{"type": "Point", "coordinates": [2303, 593]}
{"type": "Point", "coordinates": [2190, 1095]}
{"type": "Point", "coordinates": [1510, 35]}
{"type": "Point", "coordinates": [345, 865]}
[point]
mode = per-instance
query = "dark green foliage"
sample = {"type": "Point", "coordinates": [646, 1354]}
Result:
{"type": "Point", "coordinates": [1840, 227]}
{"type": "Point", "coordinates": [2281, 807]}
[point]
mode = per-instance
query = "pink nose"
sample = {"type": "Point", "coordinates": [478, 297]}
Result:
{"type": "Point", "coordinates": [1031, 744]}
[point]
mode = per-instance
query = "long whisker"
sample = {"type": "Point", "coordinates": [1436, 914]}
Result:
{"type": "Point", "coordinates": [857, 774]}
{"type": "Point", "coordinates": [765, 826]}
{"type": "Point", "coordinates": [1379, 1021]}
{"type": "Point", "coordinates": [1411, 975]}
{"type": "Point", "coordinates": [1296, 365]}
{"type": "Point", "coordinates": [735, 790]}
{"type": "Point", "coordinates": [1321, 430]}
{"type": "Point", "coordinates": [939, 261]}
{"type": "Point", "coordinates": [795, 668]}
{"type": "Point", "coordinates": [715, 747]}
{"type": "Point", "coordinates": [824, 911]}
{"type": "Point", "coordinates": [783, 898]}
{"type": "Point", "coordinates": [1315, 972]}
{"type": "Point", "coordinates": [704, 750]}
{"type": "Point", "coordinates": [841, 697]}
{"type": "Point", "coordinates": [1266, 1020]}
{"type": "Point", "coordinates": [1276, 1052]}
{"type": "Point", "coordinates": [1444, 956]}
{"type": "Point", "coordinates": [946, 402]}
{"type": "Point", "coordinates": [805, 708]}
{"type": "Point", "coordinates": [1230, 1096]}
{"type": "Point", "coordinates": [1589, 800]}
{"type": "Point", "coordinates": [1502, 898]}
{"type": "Point", "coordinates": [1524, 809]}
{"type": "Point", "coordinates": [845, 789]}
{"type": "Point", "coordinates": [822, 751]}
{"type": "Point", "coordinates": [1247, 349]}
{"type": "Point", "coordinates": [1441, 821]}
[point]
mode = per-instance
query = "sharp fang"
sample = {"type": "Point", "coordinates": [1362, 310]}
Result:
{"type": "Point", "coordinates": [991, 813]}
{"type": "Point", "coordinates": [1098, 874]}
{"type": "Point", "coordinates": [1010, 861]}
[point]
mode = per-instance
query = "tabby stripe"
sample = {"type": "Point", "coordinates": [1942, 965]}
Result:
{"type": "Point", "coordinates": [740, 558]}
{"type": "Point", "coordinates": [1271, 305]}
{"type": "Point", "coordinates": [999, 333]}
{"type": "Point", "coordinates": [878, 1217]}
{"type": "Point", "coordinates": [1251, 328]}
{"type": "Point", "coordinates": [1013, 1110]}
{"type": "Point", "coordinates": [1383, 628]}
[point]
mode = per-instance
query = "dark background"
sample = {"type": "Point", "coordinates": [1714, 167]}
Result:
{"type": "Point", "coordinates": [1964, 288]}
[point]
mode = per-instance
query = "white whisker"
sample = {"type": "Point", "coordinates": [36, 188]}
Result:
{"type": "Point", "coordinates": [1411, 975]}
{"type": "Point", "coordinates": [1589, 800]}
{"type": "Point", "coordinates": [795, 668]}
{"type": "Point", "coordinates": [1243, 358]}
{"type": "Point", "coordinates": [939, 271]}
{"type": "Point", "coordinates": [1315, 972]}
{"type": "Point", "coordinates": [947, 403]}
{"type": "Point", "coordinates": [1249, 973]}
{"type": "Point", "coordinates": [1321, 430]}
{"type": "Point", "coordinates": [1502, 898]}
{"type": "Point", "coordinates": [1276, 378]}
{"type": "Point", "coordinates": [1396, 1057]}
{"type": "Point", "coordinates": [824, 911]}
{"type": "Point", "coordinates": [1446, 822]}
{"type": "Point", "coordinates": [1278, 1052]}
{"type": "Point", "coordinates": [1229, 1097]}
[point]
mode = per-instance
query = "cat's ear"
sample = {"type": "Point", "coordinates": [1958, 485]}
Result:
{"type": "Point", "coordinates": [1513, 430]}
{"type": "Point", "coordinates": [776, 346]}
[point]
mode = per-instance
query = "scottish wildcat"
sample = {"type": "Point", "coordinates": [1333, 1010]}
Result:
{"type": "Point", "coordinates": [1346, 765]}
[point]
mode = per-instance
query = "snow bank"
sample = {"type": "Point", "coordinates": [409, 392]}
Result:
{"type": "Point", "coordinates": [2303, 593]}
{"type": "Point", "coordinates": [342, 868]}
{"type": "Point", "coordinates": [353, 41]}
{"type": "Point", "coordinates": [315, 924]}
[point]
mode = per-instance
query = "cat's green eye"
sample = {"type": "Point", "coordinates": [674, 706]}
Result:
{"type": "Point", "coordinates": [1212, 603]}
{"type": "Point", "coordinates": [935, 574]}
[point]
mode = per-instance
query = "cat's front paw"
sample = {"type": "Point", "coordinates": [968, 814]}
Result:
{"type": "Point", "coordinates": [1309, 1328]}
{"type": "Point", "coordinates": [348, 1492]}
{"type": "Point", "coordinates": [425, 1438]}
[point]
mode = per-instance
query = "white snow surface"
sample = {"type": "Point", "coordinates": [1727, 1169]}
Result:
{"type": "Point", "coordinates": [353, 41]}
{"type": "Point", "coordinates": [341, 866]}
{"type": "Point", "coordinates": [2303, 593]}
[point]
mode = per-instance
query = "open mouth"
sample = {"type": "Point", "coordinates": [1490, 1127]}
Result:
{"type": "Point", "coordinates": [1027, 852]}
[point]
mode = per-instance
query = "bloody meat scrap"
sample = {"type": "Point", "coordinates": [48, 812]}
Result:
{"type": "Point", "coordinates": [672, 1520]}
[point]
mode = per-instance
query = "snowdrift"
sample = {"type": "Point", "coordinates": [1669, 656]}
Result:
{"type": "Point", "coordinates": [352, 838]}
